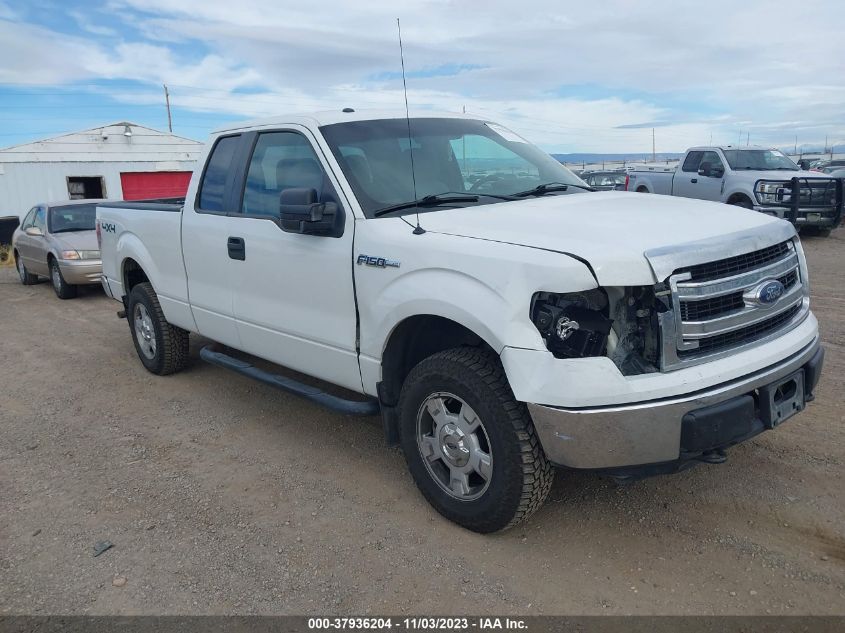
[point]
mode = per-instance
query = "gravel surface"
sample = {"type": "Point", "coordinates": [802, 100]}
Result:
{"type": "Point", "coordinates": [221, 495]}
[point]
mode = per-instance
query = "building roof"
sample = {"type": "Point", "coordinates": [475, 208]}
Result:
{"type": "Point", "coordinates": [122, 141]}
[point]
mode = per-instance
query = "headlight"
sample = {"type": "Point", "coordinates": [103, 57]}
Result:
{"type": "Point", "coordinates": [618, 322]}
{"type": "Point", "coordinates": [70, 255]}
{"type": "Point", "coordinates": [89, 254]}
{"type": "Point", "coordinates": [573, 325]}
{"type": "Point", "coordinates": [772, 192]}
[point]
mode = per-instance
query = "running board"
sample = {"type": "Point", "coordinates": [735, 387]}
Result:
{"type": "Point", "coordinates": [341, 405]}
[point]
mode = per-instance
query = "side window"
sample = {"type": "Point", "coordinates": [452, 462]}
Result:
{"type": "Point", "coordinates": [27, 221]}
{"type": "Point", "coordinates": [713, 159]}
{"type": "Point", "coordinates": [40, 219]}
{"type": "Point", "coordinates": [282, 160]}
{"type": "Point", "coordinates": [213, 186]}
{"type": "Point", "coordinates": [692, 160]}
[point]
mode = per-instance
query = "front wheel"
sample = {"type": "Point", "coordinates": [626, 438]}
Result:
{"type": "Point", "coordinates": [162, 347]}
{"type": "Point", "coordinates": [470, 446]}
{"type": "Point", "coordinates": [745, 203]}
{"type": "Point", "coordinates": [63, 289]}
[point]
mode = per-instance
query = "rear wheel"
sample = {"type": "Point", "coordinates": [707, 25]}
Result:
{"type": "Point", "coordinates": [162, 347]}
{"type": "Point", "coordinates": [470, 446]}
{"type": "Point", "coordinates": [63, 289]}
{"type": "Point", "coordinates": [642, 190]}
{"type": "Point", "coordinates": [27, 278]}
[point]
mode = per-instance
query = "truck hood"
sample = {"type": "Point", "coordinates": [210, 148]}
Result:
{"type": "Point", "coordinates": [77, 240]}
{"type": "Point", "coordinates": [626, 238]}
{"type": "Point", "coordinates": [780, 174]}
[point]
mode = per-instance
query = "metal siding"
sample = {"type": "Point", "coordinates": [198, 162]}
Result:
{"type": "Point", "coordinates": [23, 185]}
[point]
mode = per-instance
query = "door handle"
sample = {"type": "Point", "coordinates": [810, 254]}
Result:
{"type": "Point", "coordinates": [693, 179]}
{"type": "Point", "coordinates": [237, 248]}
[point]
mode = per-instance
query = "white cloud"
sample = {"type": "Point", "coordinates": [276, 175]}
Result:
{"type": "Point", "coordinates": [566, 76]}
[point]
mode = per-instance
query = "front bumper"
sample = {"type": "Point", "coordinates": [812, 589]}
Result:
{"type": "Point", "coordinates": [668, 433]}
{"type": "Point", "coordinates": [812, 216]}
{"type": "Point", "coordinates": [81, 272]}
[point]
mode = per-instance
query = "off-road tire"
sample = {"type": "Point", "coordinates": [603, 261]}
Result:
{"type": "Point", "coordinates": [521, 474]}
{"type": "Point", "coordinates": [63, 289]}
{"type": "Point", "coordinates": [26, 277]}
{"type": "Point", "coordinates": [815, 231]}
{"type": "Point", "coordinates": [745, 203]}
{"type": "Point", "coordinates": [171, 354]}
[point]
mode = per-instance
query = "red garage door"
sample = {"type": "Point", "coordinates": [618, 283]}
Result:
{"type": "Point", "coordinates": [144, 185]}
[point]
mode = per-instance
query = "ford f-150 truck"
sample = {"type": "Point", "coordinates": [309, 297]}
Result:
{"type": "Point", "coordinates": [752, 177]}
{"type": "Point", "coordinates": [503, 319]}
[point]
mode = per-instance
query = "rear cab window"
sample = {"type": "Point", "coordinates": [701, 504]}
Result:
{"type": "Point", "coordinates": [212, 192]}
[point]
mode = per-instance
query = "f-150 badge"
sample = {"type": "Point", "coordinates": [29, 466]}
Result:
{"type": "Point", "coordinates": [378, 262]}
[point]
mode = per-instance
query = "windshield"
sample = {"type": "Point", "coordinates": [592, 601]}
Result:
{"type": "Point", "coordinates": [78, 217]}
{"type": "Point", "coordinates": [758, 159]}
{"type": "Point", "coordinates": [454, 156]}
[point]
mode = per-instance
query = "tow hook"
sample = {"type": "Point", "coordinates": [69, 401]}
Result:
{"type": "Point", "coordinates": [718, 456]}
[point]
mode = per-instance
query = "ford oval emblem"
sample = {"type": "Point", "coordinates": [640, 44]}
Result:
{"type": "Point", "coordinates": [764, 294]}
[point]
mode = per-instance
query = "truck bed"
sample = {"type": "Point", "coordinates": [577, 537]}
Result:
{"type": "Point", "coordinates": [149, 233]}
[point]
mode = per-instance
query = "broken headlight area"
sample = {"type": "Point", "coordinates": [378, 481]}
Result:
{"type": "Point", "coordinates": [620, 323]}
{"type": "Point", "coordinates": [573, 325]}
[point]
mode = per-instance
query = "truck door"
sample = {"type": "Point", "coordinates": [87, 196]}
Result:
{"type": "Point", "coordinates": [294, 294]}
{"type": "Point", "coordinates": [700, 177]}
{"type": "Point", "coordinates": [206, 229]}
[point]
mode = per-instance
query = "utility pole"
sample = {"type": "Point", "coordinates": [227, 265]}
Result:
{"type": "Point", "coordinates": [795, 151]}
{"type": "Point", "coordinates": [653, 152]}
{"type": "Point", "coordinates": [739, 140]}
{"type": "Point", "coordinates": [167, 101]}
{"type": "Point", "coordinates": [748, 139]}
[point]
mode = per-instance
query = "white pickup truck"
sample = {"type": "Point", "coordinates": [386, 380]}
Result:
{"type": "Point", "coordinates": [752, 177]}
{"type": "Point", "coordinates": [452, 277]}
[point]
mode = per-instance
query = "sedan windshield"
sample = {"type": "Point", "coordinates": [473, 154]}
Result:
{"type": "Point", "coordinates": [77, 217]}
{"type": "Point", "coordinates": [759, 159]}
{"type": "Point", "coordinates": [475, 162]}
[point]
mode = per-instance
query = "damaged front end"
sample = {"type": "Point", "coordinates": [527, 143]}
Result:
{"type": "Point", "coordinates": [621, 323]}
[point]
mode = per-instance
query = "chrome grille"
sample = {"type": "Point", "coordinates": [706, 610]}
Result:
{"type": "Point", "coordinates": [716, 308]}
{"type": "Point", "coordinates": [736, 265]}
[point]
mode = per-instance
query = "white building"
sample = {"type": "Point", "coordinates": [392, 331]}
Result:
{"type": "Point", "coordinates": [120, 161]}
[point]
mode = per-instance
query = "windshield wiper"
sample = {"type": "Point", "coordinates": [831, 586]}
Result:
{"type": "Point", "coordinates": [71, 230]}
{"type": "Point", "coordinates": [425, 201]}
{"type": "Point", "coordinates": [549, 187]}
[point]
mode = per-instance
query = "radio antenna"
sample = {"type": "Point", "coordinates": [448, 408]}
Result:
{"type": "Point", "coordinates": [418, 230]}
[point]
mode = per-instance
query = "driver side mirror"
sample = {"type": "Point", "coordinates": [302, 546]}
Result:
{"type": "Point", "coordinates": [34, 231]}
{"type": "Point", "coordinates": [300, 212]}
{"type": "Point", "coordinates": [704, 169]}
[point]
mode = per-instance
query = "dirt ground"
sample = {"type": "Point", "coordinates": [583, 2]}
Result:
{"type": "Point", "coordinates": [222, 495]}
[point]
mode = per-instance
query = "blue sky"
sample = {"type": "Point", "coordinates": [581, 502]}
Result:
{"type": "Point", "coordinates": [568, 76]}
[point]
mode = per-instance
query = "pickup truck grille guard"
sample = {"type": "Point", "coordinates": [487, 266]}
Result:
{"type": "Point", "coordinates": [713, 308]}
{"type": "Point", "coordinates": [815, 195]}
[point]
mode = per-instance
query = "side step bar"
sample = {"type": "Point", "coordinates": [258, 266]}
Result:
{"type": "Point", "coordinates": [350, 407]}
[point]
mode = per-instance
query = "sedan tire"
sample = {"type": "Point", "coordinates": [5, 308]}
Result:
{"type": "Point", "coordinates": [63, 289]}
{"type": "Point", "coordinates": [27, 278]}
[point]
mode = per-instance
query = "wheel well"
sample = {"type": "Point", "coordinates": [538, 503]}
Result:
{"type": "Point", "coordinates": [415, 339]}
{"type": "Point", "coordinates": [642, 189]}
{"type": "Point", "coordinates": [133, 275]}
{"type": "Point", "coordinates": [739, 197]}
